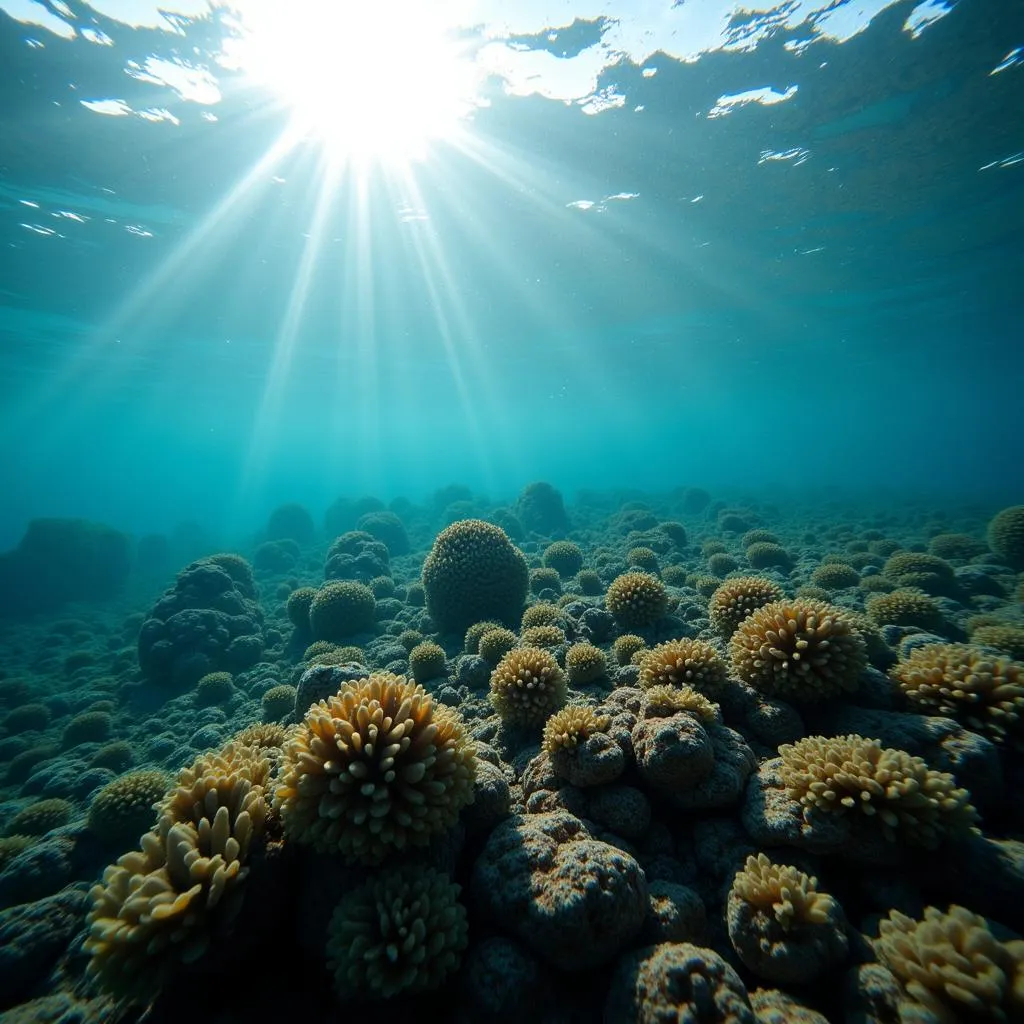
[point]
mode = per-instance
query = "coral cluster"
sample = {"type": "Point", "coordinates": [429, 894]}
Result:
{"type": "Point", "coordinates": [636, 599]}
{"type": "Point", "coordinates": [952, 965]}
{"type": "Point", "coordinates": [907, 800]}
{"type": "Point", "coordinates": [679, 663]}
{"type": "Point", "coordinates": [527, 686]}
{"type": "Point", "coordinates": [963, 682]}
{"type": "Point", "coordinates": [799, 650]}
{"type": "Point", "coordinates": [738, 598]}
{"type": "Point", "coordinates": [376, 768]}
{"type": "Point", "coordinates": [161, 906]}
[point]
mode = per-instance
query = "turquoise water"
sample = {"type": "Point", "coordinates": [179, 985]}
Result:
{"type": "Point", "coordinates": [677, 261]}
{"type": "Point", "coordinates": [189, 321]}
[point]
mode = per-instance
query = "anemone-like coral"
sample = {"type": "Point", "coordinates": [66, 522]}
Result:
{"type": "Point", "coordinates": [835, 576]}
{"type": "Point", "coordinates": [161, 906]}
{"type": "Point", "coordinates": [37, 819]}
{"type": "Point", "coordinates": [666, 701]}
{"type": "Point", "coordinates": [402, 932]}
{"type": "Point", "coordinates": [567, 728]}
{"type": "Point", "coordinates": [544, 578]}
{"type": "Point", "coordinates": [679, 663]}
{"type": "Point", "coordinates": [798, 650]}
{"type": "Point", "coordinates": [917, 569]}
{"type": "Point", "coordinates": [636, 599]}
{"type": "Point", "coordinates": [474, 572]}
{"type": "Point", "coordinates": [642, 558]}
{"type": "Point", "coordinates": [541, 614]}
{"type": "Point", "coordinates": [471, 643]}
{"type": "Point", "coordinates": [904, 607]}
{"type": "Point", "coordinates": [214, 688]}
{"type": "Point", "coordinates": [584, 663]}
{"type": "Point", "coordinates": [738, 598]}
{"type": "Point", "coordinates": [1008, 637]}
{"type": "Point", "coordinates": [721, 563]}
{"type": "Point", "coordinates": [899, 793]}
{"type": "Point", "coordinates": [781, 926]}
{"type": "Point", "coordinates": [527, 686]}
{"type": "Point", "coordinates": [277, 702]}
{"type": "Point", "coordinates": [790, 896]}
{"type": "Point", "coordinates": [963, 682]}
{"type": "Point", "coordinates": [1006, 535]}
{"type": "Point", "coordinates": [376, 768]}
{"type": "Point", "coordinates": [297, 607]}
{"type": "Point", "coordinates": [768, 555]}
{"type": "Point", "coordinates": [958, 546]}
{"type": "Point", "coordinates": [951, 964]}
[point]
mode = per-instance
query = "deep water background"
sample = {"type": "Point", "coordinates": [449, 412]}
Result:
{"type": "Point", "coordinates": [851, 321]}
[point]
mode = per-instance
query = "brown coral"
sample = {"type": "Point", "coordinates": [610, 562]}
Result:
{"type": "Point", "coordinates": [963, 682]}
{"type": "Point", "coordinates": [666, 701]}
{"type": "Point", "coordinates": [565, 729]}
{"type": "Point", "coordinates": [527, 686]}
{"type": "Point", "coordinates": [377, 767]}
{"type": "Point", "coordinates": [899, 792]}
{"type": "Point", "coordinates": [692, 663]}
{"type": "Point", "coordinates": [798, 650]}
{"type": "Point", "coordinates": [636, 599]}
{"type": "Point", "coordinates": [738, 598]}
{"type": "Point", "coordinates": [584, 663]}
{"type": "Point", "coordinates": [161, 906]}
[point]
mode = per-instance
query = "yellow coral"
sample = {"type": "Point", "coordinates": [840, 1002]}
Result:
{"type": "Point", "coordinates": [788, 894]}
{"type": "Point", "coordinates": [738, 598]}
{"type": "Point", "coordinates": [1003, 636]}
{"type": "Point", "coordinates": [963, 682]}
{"type": "Point", "coordinates": [542, 636]}
{"type": "Point", "coordinates": [953, 965]}
{"type": "Point", "coordinates": [626, 646]}
{"type": "Point", "coordinates": [527, 686]}
{"type": "Point", "coordinates": [684, 662]}
{"type": "Point", "coordinates": [636, 599]}
{"type": "Point", "coordinates": [565, 729]}
{"type": "Point", "coordinates": [899, 792]}
{"type": "Point", "coordinates": [161, 906]}
{"type": "Point", "coordinates": [801, 650]}
{"type": "Point", "coordinates": [904, 607]}
{"type": "Point", "coordinates": [584, 663]}
{"type": "Point", "coordinates": [665, 701]}
{"type": "Point", "coordinates": [375, 768]}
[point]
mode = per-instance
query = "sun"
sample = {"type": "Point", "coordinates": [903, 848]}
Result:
{"type": "Point", "coordinates": [373, 80]}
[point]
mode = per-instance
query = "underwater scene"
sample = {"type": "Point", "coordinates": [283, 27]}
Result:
{"type": "Point", "coordinates": [512, 511]}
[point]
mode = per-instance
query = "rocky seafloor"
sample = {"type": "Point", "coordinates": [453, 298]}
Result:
{"type": "Point", "coordinates": [647, 758]}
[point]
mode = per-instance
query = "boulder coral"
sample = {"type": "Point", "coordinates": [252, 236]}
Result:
{"type": "Point", "coordinates": [209, 621]}
{"type": "Point", "coordinates": [474, 572]}
{"type": "Point", "coordinates": [574, 901]}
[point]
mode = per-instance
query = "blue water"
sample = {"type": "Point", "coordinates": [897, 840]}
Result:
{"type": "Point", "coordinates": [775, 253]}
{"type": "Point", "coordinates": [161, 355]}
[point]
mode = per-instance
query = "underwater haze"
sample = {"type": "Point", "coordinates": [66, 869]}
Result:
{"type": "Point", "coordinates": [657, 244]}
{"type": "Point", "coordinates": [512, 511]}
